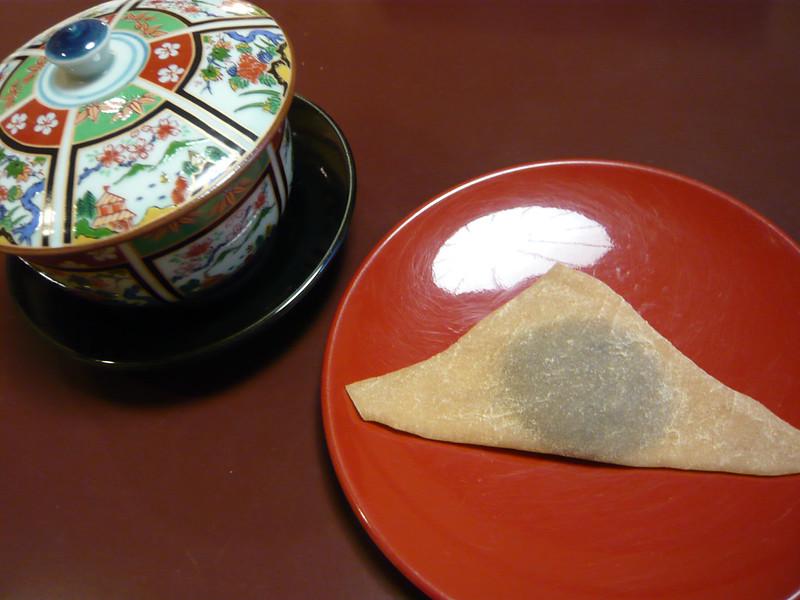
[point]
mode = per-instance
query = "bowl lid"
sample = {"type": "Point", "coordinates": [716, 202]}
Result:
{"type": "Point", "coordinates": [131, 110]}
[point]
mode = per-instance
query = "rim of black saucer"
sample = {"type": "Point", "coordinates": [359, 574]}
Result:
{"type": "Point", "coordinates": [269, 317]}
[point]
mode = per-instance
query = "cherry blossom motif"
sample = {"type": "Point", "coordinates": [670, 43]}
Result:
{"type": "Point", "coordinates": [110, 156]}
{"type": "Point", "coordinates": [46, 123]}
{"type": "Point", "coordinates": [17, 123]}
{"type": "Point", "coordinates": [166, 128]}
{"type": "Point", "coordinates": [170, 74]}
{"type": "Point", "coordinates": [140, 149]}
{"type": "Point", "coordinates": [167, 49]}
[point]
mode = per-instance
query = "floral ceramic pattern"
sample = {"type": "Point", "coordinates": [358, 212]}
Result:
{"type": "Point", "coordinates": [200, 264]}
{"type": "Point", "coordinates": [136, 177]}
{"type": "Point", "coordinates": [167, 50]}
{"type": "Point", "coordinates": [245, 73]}
{"type": "Point", "coordinates": [241, 80]}
{"type": "Point", "coordinates": [170, 61]}
{"type": "Point", "coordinates": [17, 122]}
{"type": "Point", "coordinates": [216, 239]}
{"type": "Point", "coordinates": [110, 284]}
{"type": "Point", "coordinates": [19, 85]}
{"type": "Point", "coordinates": [176, 231]}
{"type": "Point", "coordinates": [149, 24]}
{"type": "Point", "coordinates": [97, 119]}
{"type": "Point", "coordinates": [22, 193]}
{"type": "Point", "coordinates": [35, 124]}
{"type": "Point", "coordinates": [195, 87]}
{"type": "Point", "coordinates": [202, 10]}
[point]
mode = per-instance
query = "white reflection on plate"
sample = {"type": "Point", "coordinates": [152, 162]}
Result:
{"type": "Point", "coordinates": [502, 249]}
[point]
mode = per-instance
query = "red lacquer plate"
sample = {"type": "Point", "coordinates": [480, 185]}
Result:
{"type": "Point", "coordinates": [707, 272]}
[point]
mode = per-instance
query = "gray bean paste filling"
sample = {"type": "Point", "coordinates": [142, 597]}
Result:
{"type": "Point", "coordinates": [587, 391]}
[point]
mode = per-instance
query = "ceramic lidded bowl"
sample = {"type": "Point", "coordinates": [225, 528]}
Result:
{"type": "Point", "coordinates": [145, 154]}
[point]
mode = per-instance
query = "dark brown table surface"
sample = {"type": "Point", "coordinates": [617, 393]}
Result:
{"type": "Point", "coordinates": [214, 482]}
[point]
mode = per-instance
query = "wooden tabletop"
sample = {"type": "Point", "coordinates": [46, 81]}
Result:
{"type": "Point", "coordinates": [214, 481]}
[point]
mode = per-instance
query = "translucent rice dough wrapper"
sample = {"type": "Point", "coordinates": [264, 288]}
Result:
{"type": "Point", "coordinates": [568, 367]}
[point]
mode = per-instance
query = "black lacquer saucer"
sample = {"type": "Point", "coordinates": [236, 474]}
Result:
{"type": "Point", "coordinates": [310, 234]}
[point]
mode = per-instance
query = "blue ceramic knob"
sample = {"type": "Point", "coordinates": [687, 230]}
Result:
{"type": "Point", "coordinates": [81, 48]}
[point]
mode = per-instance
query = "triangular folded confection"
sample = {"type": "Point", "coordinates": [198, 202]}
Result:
{"type": "Point", "coordinates": [568, 367]}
